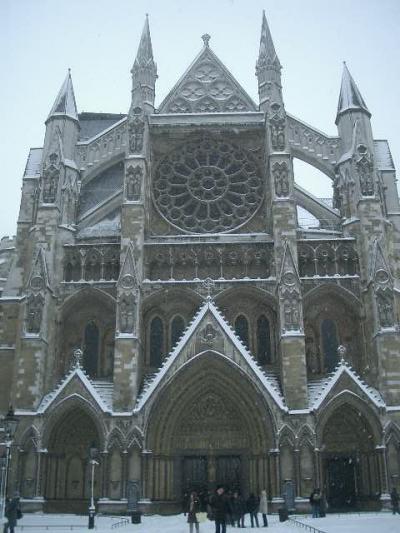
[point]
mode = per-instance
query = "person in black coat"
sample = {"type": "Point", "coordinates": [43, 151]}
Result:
{"type": "Point", "coordinates": [12, 511]}
{"type": "Point", "coordinates": [238, 510]}
{"type": "Point", "coordinates": [220, 507]}
{"type": "Point", "coordinates": [394, 498]}
{"type": "Point", "coordinates": [253, 503]}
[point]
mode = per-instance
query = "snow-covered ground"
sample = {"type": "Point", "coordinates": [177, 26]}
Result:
{"type": "Point", "coordinates": [350, 523]}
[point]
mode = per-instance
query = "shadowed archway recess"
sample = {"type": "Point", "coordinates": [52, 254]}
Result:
{"type": "Point", "coordinates": [210, 410]}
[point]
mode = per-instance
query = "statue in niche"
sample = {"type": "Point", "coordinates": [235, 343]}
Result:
{"type": "Point", "coordinates": [34, 314]}
{"type": "Point", "coordinates": [281, 179]}
{"type": "Point", "coordinates": [384, 300]}
{"type": "Point", "coordinates": [312, 358]}
{"type": "Point", "coordinates": [51, 175]}
{"type": "Point", "coordinates": [136, 134]}
{"type": "Point", "coordinates": [277, 128]}
{"type": "Point", "coordinates": [365, 171]}
{"type": "Point", "coordinates": [126, 314]}
{"type": "Point", "coordinates": [291, 313]}
{"type": "Point", "coordinates": [134, 177]}
{"type": "Point", "coordinates": [69, 204]}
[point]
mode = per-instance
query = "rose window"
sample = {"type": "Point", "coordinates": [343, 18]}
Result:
{"type": "Point", "coordinates": [208, 187]}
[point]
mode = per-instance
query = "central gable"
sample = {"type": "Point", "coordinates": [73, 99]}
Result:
{"type": "Point", "coordinates": [207, 87]}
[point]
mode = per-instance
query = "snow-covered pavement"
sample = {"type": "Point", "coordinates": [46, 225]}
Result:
{"type": "Point", "coordinates": [350, 523]}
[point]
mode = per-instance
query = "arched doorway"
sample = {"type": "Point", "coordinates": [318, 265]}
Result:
{"type": "Point", "coordinates": [209, 426]}
{"type": "Point", "coordinates": [349, 459]}
{"type": "Point", "coordinates": [67, 484]}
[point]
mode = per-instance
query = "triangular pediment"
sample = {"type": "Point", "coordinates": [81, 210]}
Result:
{"type": "Point", "coordinates": [209, 332]}
{"type": "Point", "coordinates": [344, 378]}
{"type": "Point", "coordinates": [207, 87]}
{"type": "Point", "coordinates": [75, 383]}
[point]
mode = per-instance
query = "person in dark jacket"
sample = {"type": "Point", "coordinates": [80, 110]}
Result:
{"type": "Point", "coordinates": [12, 510]}
{"type": "Point", "coordinates": [220, 507]}
{"type": "Point", "coordinates": [315, 500]}
{"type": "Point", "coordinates": [193, 507]}
{"type": "Point", "coordinates": [394, 497]}
{"type": "Point", "coordinates": [238, 510]}
{"type": "Point", "coordinates": [253, 503]}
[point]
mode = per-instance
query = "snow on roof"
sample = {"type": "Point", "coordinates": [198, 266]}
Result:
{"type": "Point", "coordinates": [101, 393]}
{"type": "Point", "coordinates": [268, 382]}
{"type": "Point", "coordinates": [350, 96]}
{"type": "Point", "coordinates": [65, 102]}
{"type": "Point", "coordinates": [318, 390]}
{"type": "Point", "coordinates": [384, 160]}
{"type": "Point", "coordinates": [34, 162]}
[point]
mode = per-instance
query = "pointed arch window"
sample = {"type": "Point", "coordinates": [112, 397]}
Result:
{"type": "Point", "coordinates": [91, 349]}
{"type": "Point", "coordinates": [263, 340]}
{"type": "Point", "coordinates": [177, 328]}
{"type": "Point", "coordinates": [242, 329]}
{"type": "Point", "coordinates": [330, 343]}
{"type": "Point", "coordinates": [156, 341]}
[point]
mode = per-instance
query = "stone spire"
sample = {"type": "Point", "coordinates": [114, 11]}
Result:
{"type": "Point", "coordinates": [144, 72]}
{"type": "Point", "coordinates": [65, 105]}
{"type": "Point", "coordinates": [350, 98]}
{"type": "Point", "coordinates": [268, 68]}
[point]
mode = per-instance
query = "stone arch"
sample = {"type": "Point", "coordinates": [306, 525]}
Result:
{"type": "Point", "coordinates": [252, 303]}
{"type": "Point", "coordinates": [348, 434]}
{"type": "Point", "coordinates": [135, 439]}
{"type": "Point", "coordinates": [70, 431]}
{"type": "Point", "coordinates": [80, 309]}
{"type": "Point", "coordinates": [306, 435]}
{"type": "Point", "coordinates": [331, 302]}
{"type": "Point", "coordinates": [116, 439]}
{"type": "Point", "coordinates": [208, 407]}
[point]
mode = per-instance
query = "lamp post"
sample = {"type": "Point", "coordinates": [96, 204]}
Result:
{"type": "Point", "coordinates": [93, 454]}
{"type": "Point", "coordinates": [10, 424]}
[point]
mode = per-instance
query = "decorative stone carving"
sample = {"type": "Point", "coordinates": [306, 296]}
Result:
{"type": "Point", "coordinates": [51, 175]}
{"type": "Point", "coordinates": [127, 313]}
{"type": "Point", "coordinates": [34, 313]}
{"type": "Point", "coordinates": [382, 281]}
{"type": "Point", "coordinates": [277, 128]}
{"type": "Point", "coordinates": [134, 176]}
{"type": "Point", "coordinates": [280, 174]}
{"type": "Point", "coordinates": [290, 294]}
{"type": "Point", "coordinates": [208, 334]}
{"type": "Point", "coordinates": [77, 358]}
{"type": "Point", "coordinates": [136, 134]}
{"type": "Point", "coordinates": [291, 310]}
{"type": "Point", "coordinates": [69, 201]}
{"type": "Point", "coordinates": [207, 187]}
{"type": "Point", "coordinates": [365, 167]}
{"type": "Point", "coordinates": [384, 302]}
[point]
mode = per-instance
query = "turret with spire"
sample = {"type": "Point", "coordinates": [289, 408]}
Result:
{"type": "Point", "coordinates": [268, 69]}
{"type": "Point", "coordinates": [351, 109]}
{"type": "Point", "coordinates": [144, 74]}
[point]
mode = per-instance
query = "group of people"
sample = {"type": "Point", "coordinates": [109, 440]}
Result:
{"type": "Point", "coordinates": [224, 509]}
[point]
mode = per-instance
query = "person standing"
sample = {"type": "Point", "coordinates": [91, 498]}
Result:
{"type": "Point", "coordinates": [394, 497]}
{"type": "Point", "coordinates": [220, 507]}
{"type": "Point", "coordinates": [315, 500]}
{"type": "Point", "coordinates": [264, 507]}
{"type": "Point", "coordinates": [193, 507]}
{"type": "Point", "coordinates": [253, 503]}
{"type": "Point", "coordinates": [12, 512]}
{"type": "Point", "coordinates": [238, 510]}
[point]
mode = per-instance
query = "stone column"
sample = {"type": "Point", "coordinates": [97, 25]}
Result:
{"type": "Point", "coordinates": [383, 472]}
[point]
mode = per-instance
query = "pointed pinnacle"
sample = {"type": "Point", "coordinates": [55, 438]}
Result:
{"type": "Point", "coordinates": [65, 103]}
{"type": "Point", "coordinates": [350, 97]}
{"type": "Point", "coordinates": [145, 50]}
{"type": "Point", "coordinates": [267, 54]}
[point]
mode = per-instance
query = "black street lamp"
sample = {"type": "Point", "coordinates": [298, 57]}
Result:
{"type": "Point", "coordinates": [93, 454]}
{"type": "Point", "coordinates": [10, 424]}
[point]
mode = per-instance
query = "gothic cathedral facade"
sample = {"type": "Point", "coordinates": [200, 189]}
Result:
{"type": "Point", "coordinates": [162, 302]}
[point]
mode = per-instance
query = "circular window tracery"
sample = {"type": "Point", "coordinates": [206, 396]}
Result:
{"type": "Point", "coordinates": [208, 187]}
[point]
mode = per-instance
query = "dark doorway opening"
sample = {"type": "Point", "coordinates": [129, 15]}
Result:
{"type": "Point", "coordinates": [195, 474]}
{"type": "Point", "coordinates": [341, 482]}
{"type": "Point", "coordinates": [229, 472]}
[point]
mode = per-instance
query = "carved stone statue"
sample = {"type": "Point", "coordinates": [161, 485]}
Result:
{"type": "Point", "coordinates": [281, 179]}
{"type": "Point", "coordinates": [69, 204]}
{"type": "Point", "coordinates": [51, 176]}
{"type": "Point", "coordinates": [384, 301]}
{"type": "Point", "coordinates": [134, 183]}
{"type": "Point", "coordinates": [136, 134]}
{"type": "Point", "coordinates": [365, 172]}
{"type": "Point", "coordinates": [291, 313]}
{"type": "Point", "coordinates": [277, 128]}
{"type": "Point", "coordinates": [126, 314]}
{"type": "Point", "coordinates": [34, 314]}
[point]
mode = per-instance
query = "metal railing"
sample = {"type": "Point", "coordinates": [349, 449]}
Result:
{"type": "Point", "coordinates": [305, 526]}
{"type": "Point", "coordinates": [121, 523]}
{"type": "Point", "coordinates": [50, 527]}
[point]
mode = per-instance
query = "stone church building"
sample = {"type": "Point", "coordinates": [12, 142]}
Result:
{"type": "Point", "coordinates": [163, 302]}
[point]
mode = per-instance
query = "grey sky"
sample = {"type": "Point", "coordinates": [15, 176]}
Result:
{"type": "Point", "coordinates": [98, 39]}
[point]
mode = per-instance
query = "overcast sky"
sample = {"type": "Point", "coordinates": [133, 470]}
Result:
{"type": "Point", "coordinates": [98, 39]}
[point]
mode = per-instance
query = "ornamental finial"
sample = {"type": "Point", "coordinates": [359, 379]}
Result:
{"type": "Point", "coordinates": [77, 359]}
{"type": "Point", "coordinates": [341, 350]}
{"type": "Point", "coordinates": [206, 39]}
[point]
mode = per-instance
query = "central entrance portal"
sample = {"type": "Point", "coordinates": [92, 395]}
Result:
{"type": "Point", "coordinates": [201, 473]}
